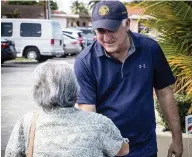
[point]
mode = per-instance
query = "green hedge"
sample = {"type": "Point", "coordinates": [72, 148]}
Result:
{"type": "Point", "coordinates": [184, 103]}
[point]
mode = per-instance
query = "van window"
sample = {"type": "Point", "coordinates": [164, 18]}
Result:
{"type": "Point", "coordinates": [6, 29]}
{"type": "Point", "coordinates": [67, 32]}
{"type": "Point", "coordinates": [56, 26]}
{"type": "Point", "coordinates": [57, 31]}
{"type": "Point", "coordinates": [30, 30]}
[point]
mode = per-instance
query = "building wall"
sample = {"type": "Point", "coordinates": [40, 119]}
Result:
{"type": "Point", "coordinates": [134, 25]}
{"type": "Point", "coordinates": [61, 21]}
{"type": "Point", "coordinates": [70, 21]}
{"type": "Point", "coordinates": [67, 22]}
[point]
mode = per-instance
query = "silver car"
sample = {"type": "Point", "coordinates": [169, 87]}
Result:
{"type": "Point", "coordinates": [71, 45]}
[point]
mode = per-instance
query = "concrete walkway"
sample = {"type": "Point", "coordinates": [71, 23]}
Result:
{"type": "Point", "coordinates": [164, 140]}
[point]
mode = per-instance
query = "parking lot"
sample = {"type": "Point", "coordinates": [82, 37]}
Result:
{"type": "Point", "coordinates": [16, 93]}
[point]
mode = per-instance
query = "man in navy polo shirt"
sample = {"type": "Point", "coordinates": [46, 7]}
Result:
{"type": "Point", "coordinates": [117, 74]}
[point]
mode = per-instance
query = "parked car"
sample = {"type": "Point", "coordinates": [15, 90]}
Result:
{"type": "Point", "coordinates": [71, 45]}
{"type": "Point", "coordinates": [76, 34]}
{"type": "Point", "coordinates": [37, 39]}
{"type": "Point", "coordinates": [8, 51]}
{"type": "Point", "coordinates": [88, 34]}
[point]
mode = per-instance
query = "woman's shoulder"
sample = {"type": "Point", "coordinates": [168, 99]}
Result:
{"type": "Point", "coordinates": [95, 117]}
{"type": "Point", "coordinates": [26, 120]}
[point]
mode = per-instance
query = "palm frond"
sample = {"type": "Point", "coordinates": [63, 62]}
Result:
{"type": "Point", "coordinates": [173, 21]}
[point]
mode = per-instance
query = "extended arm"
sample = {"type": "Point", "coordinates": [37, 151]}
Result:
{"type": "Point", "coordinates": [170, 111]}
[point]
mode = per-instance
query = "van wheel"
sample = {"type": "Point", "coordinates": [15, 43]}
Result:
{"type": "Point", "coordinates": [43, 59]}
{"type": "Point", "coordinates": [32, 53]}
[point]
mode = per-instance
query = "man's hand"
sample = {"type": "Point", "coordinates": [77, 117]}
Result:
{"type": "Point", "coordinates": [87, 107]}
{"type": "Point", "coordinates": [176, 149]}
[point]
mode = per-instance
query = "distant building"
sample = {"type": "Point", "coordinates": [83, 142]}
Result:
{"type": "Point", "coordinates": [37, 12]}
{"type": "Point", "coordinates": [136, 21]}
{"type": "Point", "coordinates": [70, 20]}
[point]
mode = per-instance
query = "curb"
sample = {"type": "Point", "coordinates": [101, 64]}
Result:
{"type": "Point", "coordinates": [21, 62]}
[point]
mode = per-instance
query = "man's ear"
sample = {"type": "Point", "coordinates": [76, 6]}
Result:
{"type": "Point", "coordinates": [127, 24]}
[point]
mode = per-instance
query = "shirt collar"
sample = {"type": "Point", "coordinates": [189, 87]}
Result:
{"type": "Point", "coordinates": [134, 44]}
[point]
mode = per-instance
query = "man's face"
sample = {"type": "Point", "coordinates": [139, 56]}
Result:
{"type": "Point", "coordinates": [113, 41]}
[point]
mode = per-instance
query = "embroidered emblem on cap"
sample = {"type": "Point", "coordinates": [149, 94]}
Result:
{"type": "Point", "coordinates": [103, 10]}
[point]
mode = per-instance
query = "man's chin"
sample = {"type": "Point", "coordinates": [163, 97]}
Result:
{"type": "Point", "coordinates": [110, 50]}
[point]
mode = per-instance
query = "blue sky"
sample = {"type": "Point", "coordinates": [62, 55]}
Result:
{"type": "Point", "coordinates": [64, 5]}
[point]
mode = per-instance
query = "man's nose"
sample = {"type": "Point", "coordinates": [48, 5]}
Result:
{"type": "Point", "coordinates": [107, 35]}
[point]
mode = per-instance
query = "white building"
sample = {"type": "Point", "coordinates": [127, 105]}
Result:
{"type": "Point", "coordinates": [71, 20]}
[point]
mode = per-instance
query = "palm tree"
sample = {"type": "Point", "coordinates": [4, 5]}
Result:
{"type": "Point", "coordinates": [79, 8]}
{"type": "Point", "coordinates": [92, 3]}
{"type": "Point", "coordinates": [173, 21]}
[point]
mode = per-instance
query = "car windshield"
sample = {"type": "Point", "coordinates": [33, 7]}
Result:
{"type": "Point", "coordinates": [80, 34]}
{"type": "Point", "coordinates": [69, 36]}
{"type": "Point", "coordinates": [88, 33]}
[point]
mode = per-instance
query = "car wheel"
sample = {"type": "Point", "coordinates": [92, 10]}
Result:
{"type": "Point", "coordinates": [32, 53]}
{"type": "Point", "coordinates": [64, 55]}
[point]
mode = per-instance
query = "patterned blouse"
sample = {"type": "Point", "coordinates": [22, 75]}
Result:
{"type": "Point", "coordinates": [66, 132]}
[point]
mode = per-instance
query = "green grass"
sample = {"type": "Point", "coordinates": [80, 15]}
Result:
{"type": "Point", "coordinates": [22, 59]}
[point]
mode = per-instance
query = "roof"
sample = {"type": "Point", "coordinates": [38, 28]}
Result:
{"type": "Point", "coordinates": [27, 20]}
{"type": "Point", "coordinates": [133, 10]}
{"type": "Point", "coordinates": [142, 17]}
{"type": "Point", "coordinates": [66, 15]}
{"type": "Point", "coordinates": [71, 29]}
{"type": "Point", "coordinates": [56, 12]}
{"type": "Point", "coordinates": [25, 11]}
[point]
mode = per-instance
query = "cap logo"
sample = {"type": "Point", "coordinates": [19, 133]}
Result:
{"type": "Point", "coordinates": [103, 10]}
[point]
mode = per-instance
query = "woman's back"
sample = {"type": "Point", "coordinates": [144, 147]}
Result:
{"type": "Point", "coordinates": [71, 132]}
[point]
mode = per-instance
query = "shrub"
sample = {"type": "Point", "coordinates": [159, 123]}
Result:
{"type": "Point", "coordinates": [184, 103]}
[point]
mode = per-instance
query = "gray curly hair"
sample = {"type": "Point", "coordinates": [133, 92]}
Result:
{"type": "Point", "coordinates": [55, 85]}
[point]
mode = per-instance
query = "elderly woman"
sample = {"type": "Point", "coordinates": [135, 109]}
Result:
{"type": "Point", "coordinates": [61, 129]}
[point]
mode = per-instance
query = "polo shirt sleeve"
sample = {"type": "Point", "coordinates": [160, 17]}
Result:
{"type": "Point", "coordinates": [110, 137]}
{"type": "Point", "coordinates": [87, 93]}
{"type": "Point", "coordinates": [162, 74]}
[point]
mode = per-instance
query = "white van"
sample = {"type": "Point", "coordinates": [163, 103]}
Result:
{"type": "Point", "coordinates": [37, 39]}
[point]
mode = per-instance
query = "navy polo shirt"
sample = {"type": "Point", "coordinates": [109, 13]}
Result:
{"type": "Point", "coordinates": [124, 91]}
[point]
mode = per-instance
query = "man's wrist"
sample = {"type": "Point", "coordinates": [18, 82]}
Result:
{"type": "Point", "coordinates": [126, 140]}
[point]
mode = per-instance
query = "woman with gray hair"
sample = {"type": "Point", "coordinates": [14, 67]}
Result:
{"type": "Point", "coordinates": [63, 130]}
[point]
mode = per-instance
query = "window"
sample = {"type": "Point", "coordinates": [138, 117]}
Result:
{"type": "Point", "coordinates": [142, 28]}
{"type": "Point", "coordinates": [77, 23]}
{"type": "Point", "coordinates": [30, 30]}
{"type": "Point", "coordinates": [84, 24]}
{"type": "Point", "coordinates": [88, 33]}
{"type": "Point", "coordinates": [6, 29]}
{"type": "Point", "coordinates": [67, 32]}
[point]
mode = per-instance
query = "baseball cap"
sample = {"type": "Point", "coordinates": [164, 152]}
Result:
{"type": "Point", "coordinates": [108, 14]}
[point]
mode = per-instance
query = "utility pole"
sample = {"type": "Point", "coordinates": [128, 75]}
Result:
{"type": "Point", "coordinates": [46, 8]}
